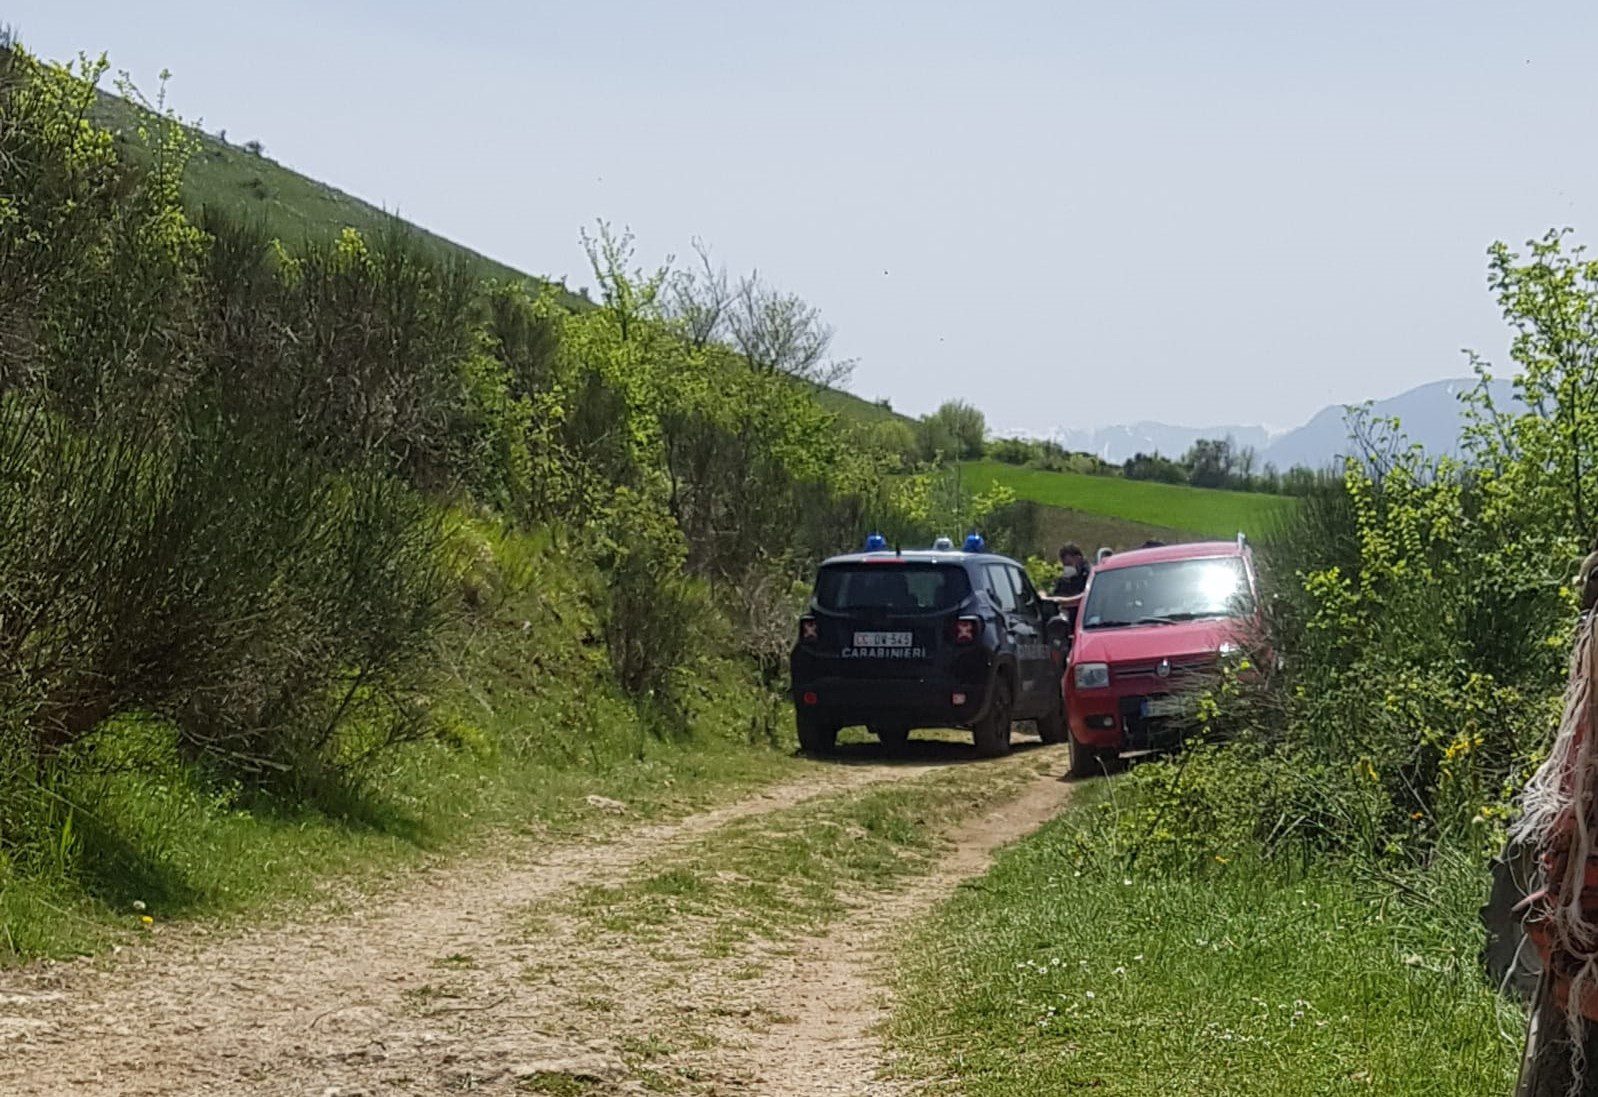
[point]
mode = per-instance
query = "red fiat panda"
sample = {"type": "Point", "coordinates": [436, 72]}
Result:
{"type": "Point", "coordinates": [1148, 621]}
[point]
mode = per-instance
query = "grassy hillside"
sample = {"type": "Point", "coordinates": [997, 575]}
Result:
{"type": "Point", "coordinates": [296, 209]}
{"type": "Point", "coordinates": [858, 409]}
{"type": "Point", "coordinates": [289, 205]}
{"type": "Point", "coordinates": [1167, 506]}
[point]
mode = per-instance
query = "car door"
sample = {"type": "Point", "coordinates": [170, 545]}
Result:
{"type": "Point", "coordinates": [1032, 645]}
{"type": "Point", "coordinates": [1020, 634]}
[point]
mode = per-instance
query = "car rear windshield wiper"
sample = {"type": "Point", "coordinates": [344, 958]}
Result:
{"type": "Point", "coordinates": [1167, 618]}
{"type": "Point", "coordinates": [1110, 624]}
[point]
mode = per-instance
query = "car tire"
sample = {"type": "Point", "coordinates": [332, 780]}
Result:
{"type": "Point", "coordinates": [1089, 761]}
{"type": "Point", "coordinates": [992, 733]}
{"type": "Point", "coordinates": [816, 735]}
{"type": "Point", "coordinates": [891, 736]}
{"type": "Point", "coordinates": [1052, 728]}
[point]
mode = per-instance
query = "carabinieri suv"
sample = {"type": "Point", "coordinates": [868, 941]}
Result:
{"type": "Point", "coordinates": [925, 638]}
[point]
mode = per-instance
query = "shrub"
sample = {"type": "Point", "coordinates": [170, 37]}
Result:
{"type": "Point", "coordinates": [215, 578]}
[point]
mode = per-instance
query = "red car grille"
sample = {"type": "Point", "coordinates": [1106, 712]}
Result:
{"type": "Point", "coordinates": [1179, 667]}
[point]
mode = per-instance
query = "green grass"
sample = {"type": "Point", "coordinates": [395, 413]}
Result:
{"type": "Point", "coordinates": [1198, 511]}
{"type": "Point", "coordinates": [1065, 971]}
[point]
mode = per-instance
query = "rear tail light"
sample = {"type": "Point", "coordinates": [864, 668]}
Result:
{"type": "Point", "coordinates": [957, 699]}
{"type": "Point", "coordinates": [809, 631]}
{"type": "Point", "coordinates": [964, 630]}
{"type": "Point", "coordinates": [810, 698]}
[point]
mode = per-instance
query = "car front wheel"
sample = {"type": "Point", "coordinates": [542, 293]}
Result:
{"type": "Point", "coordinates": [1052, 728]}
{"type": "Point", "coordinates": [1092, 761]}
{"type": "Point", "coordinates": [1089, 761]}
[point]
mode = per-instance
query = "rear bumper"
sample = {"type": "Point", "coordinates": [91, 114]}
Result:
{"type": "Point", "coordinates": [918, 702]}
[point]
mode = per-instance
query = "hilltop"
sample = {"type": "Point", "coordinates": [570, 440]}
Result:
{"type": "Point", "coordinates": [293, 207]}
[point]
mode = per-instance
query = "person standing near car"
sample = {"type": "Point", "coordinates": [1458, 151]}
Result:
{"type": "Point", "coordinates": [1074, 576]}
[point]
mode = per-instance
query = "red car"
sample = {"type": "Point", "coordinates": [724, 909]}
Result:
{"type": "Point", "coordinates": [1149, 620]}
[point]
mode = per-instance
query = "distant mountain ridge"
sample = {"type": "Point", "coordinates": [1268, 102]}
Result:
{"type": "Point", "coordinates": [1431, 414]}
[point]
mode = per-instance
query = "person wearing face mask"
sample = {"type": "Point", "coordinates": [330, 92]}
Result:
{"type": "Point", "coordinates": [1074, 577]}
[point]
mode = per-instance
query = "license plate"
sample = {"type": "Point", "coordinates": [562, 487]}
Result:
{"type": "Point", "coordinates": [1155, 707]}
{"type": "Point", "coordinates": [883, 639]}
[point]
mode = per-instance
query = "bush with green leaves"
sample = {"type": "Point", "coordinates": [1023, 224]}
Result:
{"type": "Point", "coordinates": [1422, 610]}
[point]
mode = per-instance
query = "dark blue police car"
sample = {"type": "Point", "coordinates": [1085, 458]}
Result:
{"type": "Point", "coordinates": [903, 639]}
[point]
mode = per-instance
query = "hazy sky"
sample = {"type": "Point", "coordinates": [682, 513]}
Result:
{"type": "Point", "coordinates": [1069, 214]}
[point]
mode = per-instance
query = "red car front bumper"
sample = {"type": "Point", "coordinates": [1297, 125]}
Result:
{"type": "Point", "coordinates": [1141, 709]}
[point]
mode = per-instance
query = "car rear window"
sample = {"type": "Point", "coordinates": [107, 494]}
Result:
{"type": "Point", "coordinates": [902, 587]}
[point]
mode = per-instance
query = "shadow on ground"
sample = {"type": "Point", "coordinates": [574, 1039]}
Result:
{"type": "Point", "coordinates": [919, 751]}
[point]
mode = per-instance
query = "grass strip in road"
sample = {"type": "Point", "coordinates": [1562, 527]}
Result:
{"type": "Point", "coordinates": [1063, 971]}
{"type": "Point", "coordinates": [794, 871]}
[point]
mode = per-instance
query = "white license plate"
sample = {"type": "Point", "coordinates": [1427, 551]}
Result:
{"type": "Point", "coordinates": [1167, 706]}
{"type": "Point", "coordinates": [883, 639]}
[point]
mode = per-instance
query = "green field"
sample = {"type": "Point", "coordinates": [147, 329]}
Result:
{"type": "Point", "coordinates": [1167, 506]}
{"type": "Point", "coordinates": [1057, 526]}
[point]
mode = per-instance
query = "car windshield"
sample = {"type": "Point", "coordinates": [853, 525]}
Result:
{"type": "Point", "coordinates": [891, 585]}
{"type": "Point", "coordinates": [1178, 590]}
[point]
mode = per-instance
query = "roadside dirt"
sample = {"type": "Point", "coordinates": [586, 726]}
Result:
{"type": "Point", "coordinates": [445, 985]}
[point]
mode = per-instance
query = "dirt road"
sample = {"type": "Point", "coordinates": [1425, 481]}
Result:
{"type": "Point", "coordinates": [507, 974]}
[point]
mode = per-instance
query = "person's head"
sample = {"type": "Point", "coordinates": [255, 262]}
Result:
{"type": "Point", "coordinates": [1071, 556]}
{"type": "Point", "coordinates": [1103, 554]}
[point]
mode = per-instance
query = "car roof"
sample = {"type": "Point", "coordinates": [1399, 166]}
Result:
{"type": "Point", "coordinates": [920, 556]}
{"type": "Point", "coordinates": [1192, 550]}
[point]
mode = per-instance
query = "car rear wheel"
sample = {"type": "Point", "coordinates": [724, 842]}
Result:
{"type": "Point", "coordinates": [816, 735]}
{"type": "Point", "coordinates": [1089, 761]}
{"type": "Point", "coordinates": [992, 732]}
{"type": "Point", "coordinates": [892, 736]}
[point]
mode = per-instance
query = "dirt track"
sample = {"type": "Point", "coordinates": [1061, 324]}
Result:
{"type": "Point", "coordinates": [442, 986]}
